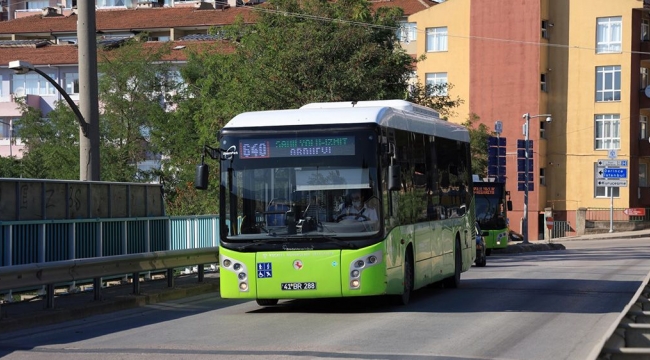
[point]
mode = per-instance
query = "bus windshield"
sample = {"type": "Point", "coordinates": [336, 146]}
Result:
{"type": "Point", "coordinates": [490, 205]}
{"type": "Point", "coordinates": [299, 187]}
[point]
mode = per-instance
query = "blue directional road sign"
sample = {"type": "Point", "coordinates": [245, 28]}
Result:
{"type": "Point", "coordinates": [615, 173]}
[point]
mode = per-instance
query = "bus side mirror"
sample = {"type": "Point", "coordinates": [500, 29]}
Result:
{"type": "Point", "coordinates": [201, 177]}
{"type": "Point", "coordinates": [509, 205]}
{"type": "Point", "coordinates": [394, 182]}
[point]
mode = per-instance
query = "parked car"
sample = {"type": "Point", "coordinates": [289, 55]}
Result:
{"type": "Point", "coordinates": [481, 251]}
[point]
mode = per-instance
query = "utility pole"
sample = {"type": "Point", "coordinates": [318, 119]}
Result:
{"type": "Point", "coordinates": [88, 92]}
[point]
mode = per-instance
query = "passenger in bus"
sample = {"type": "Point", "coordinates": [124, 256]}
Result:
{"type": "Point", "coordinates": [358, 209]}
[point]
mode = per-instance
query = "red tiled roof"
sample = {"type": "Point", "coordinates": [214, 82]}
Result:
{"type": "Point", "coordinates": [138, 19]}
{"type": "Point", "coordinates": [155, 18]}
{"type": "Point", "coordinates": [58, 55]}
{"type": "Point", "coordinates": [409, 6]}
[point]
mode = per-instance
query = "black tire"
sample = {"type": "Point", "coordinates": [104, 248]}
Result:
{"type": "Point", "coordinates": [488, 252]}
{"type": "Point", "coordinates": [267, 302]}
{"type": "Point", "coordinates": [481, 259]}
{"type": "Point", "coordinates": [453, 282]}
{"type": "Point", "coordinates": [405, 297]}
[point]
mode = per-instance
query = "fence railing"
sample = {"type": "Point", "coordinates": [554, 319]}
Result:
{"type": "Point", "coordinates": [42, 241]}
{"type": "Point", "coordinates": [48, 252]}
{"type": "Point", "coordinates": [618, 214]}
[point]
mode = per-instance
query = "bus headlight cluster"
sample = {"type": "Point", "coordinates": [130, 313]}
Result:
{"type": "Point", "coordinates": [358, 265]}
{"type": "Point", "coordinates": [239, 269]}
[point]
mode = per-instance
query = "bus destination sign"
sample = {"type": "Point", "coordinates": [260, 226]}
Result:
{"type": "Point", "coordinates": [296, 147]}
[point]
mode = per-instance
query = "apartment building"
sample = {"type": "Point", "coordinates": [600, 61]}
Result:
{"type": "Point", "coordinates": [583, 62]}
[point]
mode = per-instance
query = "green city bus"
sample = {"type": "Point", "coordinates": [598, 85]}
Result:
{"type": "Point", "coordinates": [286, 175]}
{"type": "Point", "coordinates": [492, 213]}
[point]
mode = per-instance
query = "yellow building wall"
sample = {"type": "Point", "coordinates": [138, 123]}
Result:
{"type": "Point", "coordinates": [455, 61]}
{"type": "Point", "coordinates": [571, 146]}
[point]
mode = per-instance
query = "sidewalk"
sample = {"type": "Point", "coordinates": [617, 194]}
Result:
{"type": "Point", "coordinates": [556, 244]}
{"type": "Point", "coordinates": [21, 315]}
{"type": "Point", "coordinates": [73, 306]}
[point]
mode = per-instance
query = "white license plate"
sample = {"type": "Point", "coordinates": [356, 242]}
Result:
{"type": "Point", "coordinates": [298, 286]}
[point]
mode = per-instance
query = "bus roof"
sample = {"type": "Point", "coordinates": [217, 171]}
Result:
{"type": "Point", "coordinates": [398, 115]}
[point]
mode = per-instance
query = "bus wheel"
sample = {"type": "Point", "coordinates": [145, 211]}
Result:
{"type": "Point", "coordinates": [488, 252]}
{"type": "Point", "coordinates": [267, 302]}
{"type": "Point", "coordinates": [454, 281]}
{"type": "Point", "coordinates": [408, 280]}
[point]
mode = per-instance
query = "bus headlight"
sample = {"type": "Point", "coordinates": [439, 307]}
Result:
{"type": "Point", "coordinates": [359, 264]}
{"type": "Point", "coordinates": [237, 267]}
{"type": "Point", "coordinates": [355, 273]}
{"type": "Point", "coordinates": [242, 276]}
{"type": "Point", "coordinates": [227, 262]}
{"type": "Point", "coordinates": [372, 259]}
{"type": "Point", "coordinates": [354, 283]}
{"type": "Point", "coordinates": [243, 286]}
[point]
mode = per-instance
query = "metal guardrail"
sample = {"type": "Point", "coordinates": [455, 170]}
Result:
{"type": "Point", "coordinates": [629, 337]}
{"type": "Point", "coordinates": [67, 250]}
{"type": "Point", "coordinates": [56, 272]}
{"type": "Point", "coordinates": [83, 269]}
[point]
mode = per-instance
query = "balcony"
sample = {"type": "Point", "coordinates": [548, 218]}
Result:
{"type": "Point", "coordinates": [644, 100]}
{"type": "Point", "coordinates": [644, 148]}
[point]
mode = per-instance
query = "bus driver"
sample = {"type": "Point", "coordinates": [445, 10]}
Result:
{"type": "Point", "coordinates": [358, 209]}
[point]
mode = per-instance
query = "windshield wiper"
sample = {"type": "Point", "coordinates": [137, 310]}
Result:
{"type": "Point", "coordinates": [347, 244]}
{"type": "Point", "coordinates": [257, 243]}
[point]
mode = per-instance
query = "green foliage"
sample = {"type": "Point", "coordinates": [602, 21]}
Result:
{"type": "Point", "coordinates": [52, 143]}
{"type": "Point", "coordinates": [478, 144]}
{"type": "Point", "coordinates": [10, 167]}
{"type": "Point", "coordinates": [133, 79]}
{"type": "Point", "coordinates": [293, 55]}
{"type": "Point", "coordinates": [435, 96]}
{"type": "Point", "coordinates": [297, 52]}
{"type": "Point", "coordinates": [134, 87]}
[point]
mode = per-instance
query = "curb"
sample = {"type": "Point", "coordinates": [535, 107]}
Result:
{"type": "Point", "coordinates": [522, 248]}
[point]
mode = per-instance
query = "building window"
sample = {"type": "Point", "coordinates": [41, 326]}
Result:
{"type": "Point", "coordinates": [542, 176]}
{"type": "Point", "coordinates": [606, 191]}
{"type": "Point", "coordinates": [608, 131]}
{"type": "Point", "coordinates": [643, 78]}
{"type": "Point", "coordinates": [36, 5]}
{"type": "Point", "coordinates": [436, 39]}
{"type": "Point", "coordinates": [643, 175]}
{"type": "Point", "coordinates": [643, 127]}
{"type": "Point", "coordinates": [608, 83]}
{"type": "Point", "coordinates": [609, 35]}
{"type": "Point", "coordinates": [110, 3]}
{"type": "Point", "coordinates": [31, 84]}
{"type": "Point", "coordinates": [542, 130]}
{"type": "Point", "coordinates": [545, 25]}
{"type": "Point", "coordinates": [543, 83]}
{"type": "Point", "coordinates": [71, 83]}
{"type": "Point", "coordinates": [439, 81]}
{"type": "Point", "coordinates": [407, 32]}
{"type": "Point", "coordinates": [645, 30]}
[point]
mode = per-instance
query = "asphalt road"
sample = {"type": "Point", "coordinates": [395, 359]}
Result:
{"type": "Point", "coordinates": [537, 305]}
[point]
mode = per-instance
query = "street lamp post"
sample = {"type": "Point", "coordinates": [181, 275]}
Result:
{"type": "Point", "coordinates": [524, 224]}
{"type": "Point", "coordinates": [92, 157]}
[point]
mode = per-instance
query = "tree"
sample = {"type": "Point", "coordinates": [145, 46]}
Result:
{"type": "Point", "coordinates": [133, 87]}
{"type": "Point", "coordinates": [295, 53]}
{"type": "Point", "coordinates": [435, 96]}
{"type": "Point", "coordinates": [52, 143]}
{"type": "Point", "coordinates": [478, 136]}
